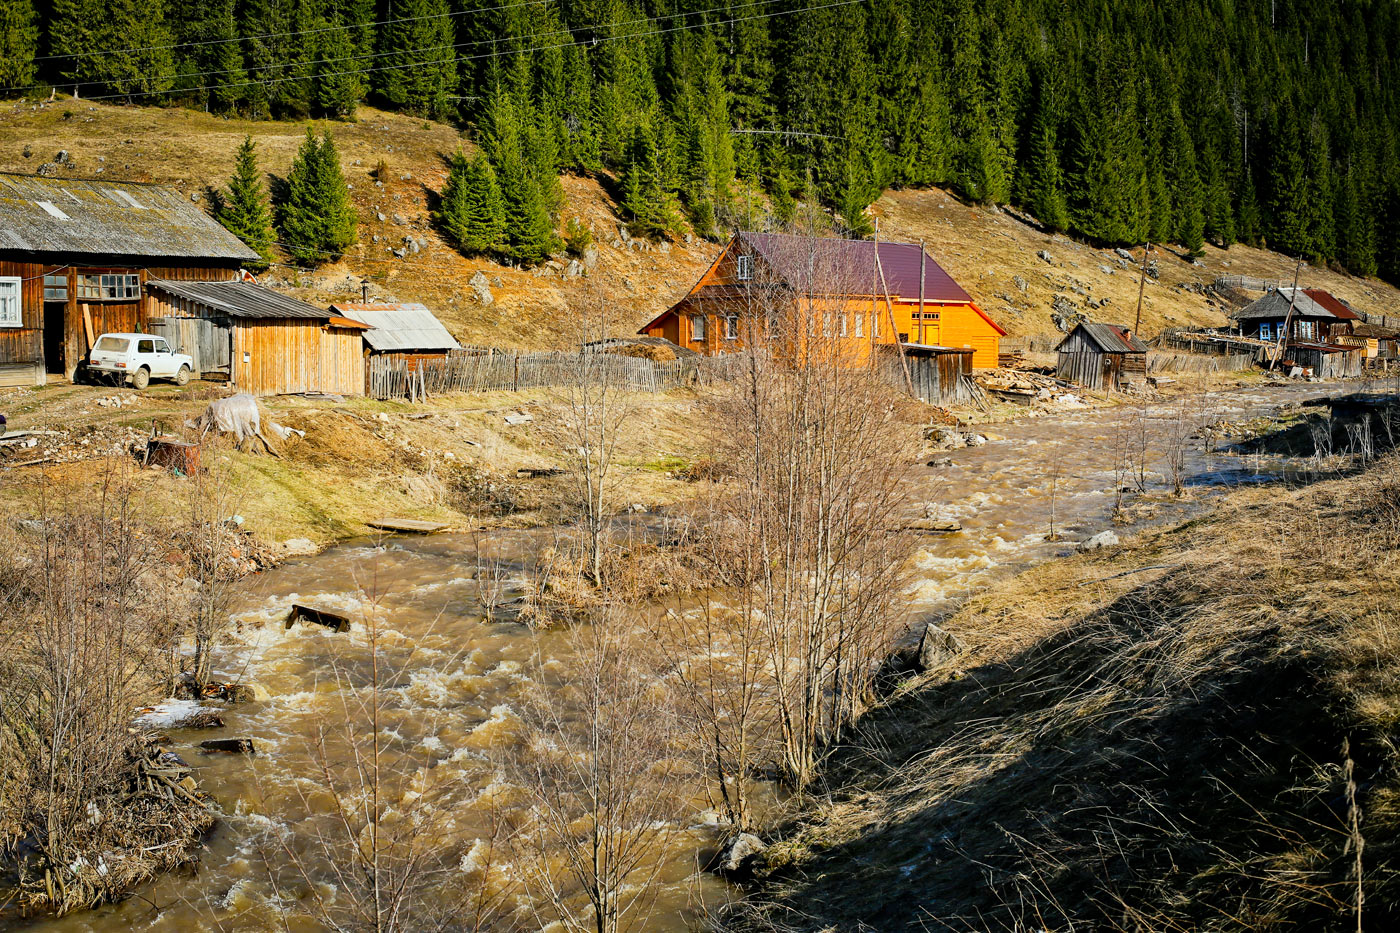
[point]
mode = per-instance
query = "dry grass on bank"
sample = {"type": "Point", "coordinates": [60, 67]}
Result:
{"type": "Point", "coordinates": [1159, 738]}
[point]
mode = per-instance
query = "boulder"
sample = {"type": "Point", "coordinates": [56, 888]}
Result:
{"type": "Point", "coordinates": [481, 290]}
{"type": "Point", "coordinates": [1099, 541]}
{"type": "Point", "coordinates": [738, 857]}
{"type": "Point", "coordinates": [1020, 283]}
{"type": "Point", "coordinates": [400, 219]}
{"type": "Point", "coordinates": [937, 647]}
{"type": "Point", "coordinates": [299, 547]}
{"type": "Point", "coordinates": [1045, 256]}
{"type": "Point", "coordinates": [941, 462]}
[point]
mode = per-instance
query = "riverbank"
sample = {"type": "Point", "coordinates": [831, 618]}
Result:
{"type": "Point", "coordinates": [1194, 731]}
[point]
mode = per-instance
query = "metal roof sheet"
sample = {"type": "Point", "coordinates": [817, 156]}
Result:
{"type": "Point", "coordinates": [851, 265]}
{"type": "Point", "coordinates": [399, 327]}
{"type": "Point", "coordinates": [1112, 338]}
{"type": "Point", "coordinates": [241, 299]}
{"type": "Point", "coordinates": [1332, 303]}
{"type": "Point", "coordinates": [109, 218]}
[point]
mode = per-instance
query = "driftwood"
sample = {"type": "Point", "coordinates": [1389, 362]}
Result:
{"type": "Point", "coordinates": [331, 620]}
{"type": "Point", "coordinates": [232, 746]}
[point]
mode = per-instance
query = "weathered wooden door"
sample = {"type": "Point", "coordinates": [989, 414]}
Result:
{"type": "Point", "coordinates": [206, 341]}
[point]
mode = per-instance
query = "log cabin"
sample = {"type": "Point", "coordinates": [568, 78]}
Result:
{"type": "Point", "coordinates": [852, 292]}
{"type": "Point", "coordinates": [75, 259]}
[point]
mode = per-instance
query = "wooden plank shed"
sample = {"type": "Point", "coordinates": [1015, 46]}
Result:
{"type": "Point", "coordinates": [75, 256]}
{"type": "Point", "coordinates": [276, 344]}
{"type": "Point", "coordinates": [402, 331]}
{"type": "Point", "coordinates": [1101, 356]}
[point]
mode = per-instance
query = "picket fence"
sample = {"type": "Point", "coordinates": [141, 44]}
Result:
{"type": "Point", "coordinates": [471, 371]}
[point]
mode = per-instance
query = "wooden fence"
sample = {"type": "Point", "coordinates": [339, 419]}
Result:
{"type": "Point", "coordinates": [392, 378]}
{"type": "Point", "coordinates": [1164, 361]}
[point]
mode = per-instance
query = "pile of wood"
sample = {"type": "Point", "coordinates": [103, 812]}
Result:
{"type": "Point", "coordinates": [1023, 386]}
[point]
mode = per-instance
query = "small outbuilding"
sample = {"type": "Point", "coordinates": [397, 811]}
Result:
{"type": "Point", "coordinates": [262, 341]}
{"type": "Point", "coordinates": [1101, 356]}
{"type": "Point", "coordinates": [405, 331]}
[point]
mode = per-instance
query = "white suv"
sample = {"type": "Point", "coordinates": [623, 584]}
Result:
{"type": "Point", "coordinates": [139, 358]}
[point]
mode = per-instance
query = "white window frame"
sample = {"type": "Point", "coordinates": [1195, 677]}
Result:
{"type": "Point", "coordinates": [842, 324]}
{"type": "Point", "coordinates": [731, 327]}
{"type": "Point", "coordinates": [1266, 331]}
{"type": "Point", "coordinates": [860, 323]}
{"type": "Point", "coordinates": [697, 327]}
{"type": "Point", "coordinates": [11, 301]}
{"type": "Point", "coordinates": [744, 268]}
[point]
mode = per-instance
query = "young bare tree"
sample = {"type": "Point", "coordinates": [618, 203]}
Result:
{"type": "Point", "coordinates": [385, 842]}
{"type": "Point", "coordinates": [812, 436]}
{"type": "Point", "coordinates": [209, 503]}
{"type": "Point", "coordinates": [602, 780]}
{"type": "Point", "coordinates": [85, 630]}
{"type": "Point", "coordinates": [593, 410]}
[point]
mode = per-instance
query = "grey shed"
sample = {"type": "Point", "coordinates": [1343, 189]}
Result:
{"type": "Point", "coordinates": [400, 328]}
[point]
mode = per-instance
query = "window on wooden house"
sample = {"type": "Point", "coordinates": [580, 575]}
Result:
{"type": "Point", "coordinates": [860, 323]}
{"type": "Point", "coordinates": [56, 287]}
{"type": "Point", "coordinates": [731, 327]}
{"type": "Point", "coordinates": [744, 268]}
{"type": "Point", "coordinates": [1266, 332]}
{"type": "Point", "coordinates": [109, 287]}
{"type": "Point", "coordinates": [842, 325]}
{"type": "Point", "coordinates": [697, 327]}
{"type": "Point", "coordinates": [11, 310]}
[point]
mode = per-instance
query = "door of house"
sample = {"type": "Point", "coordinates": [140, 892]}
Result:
{"type": "Point", "coordinates": [54, 316]}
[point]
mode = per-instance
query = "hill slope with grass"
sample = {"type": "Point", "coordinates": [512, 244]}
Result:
{"type": "Point", "coordinates": [1191, 733]}
{"type": "Point", "coordinates": [994, 253]}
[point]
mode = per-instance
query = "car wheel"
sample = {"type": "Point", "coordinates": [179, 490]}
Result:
{"type": "Point", "coordinates": [141, 378]}
{"type": "Point", "coordinates": [182, 378]}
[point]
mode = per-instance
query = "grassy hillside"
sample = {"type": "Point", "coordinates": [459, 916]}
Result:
{"type": "Point", "coordinates": [1177, 736]}
{"type": "Point", "coordinates": [987, 250]}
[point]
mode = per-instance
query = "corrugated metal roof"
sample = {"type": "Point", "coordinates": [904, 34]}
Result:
{"type": "Point", "coordinates": [1113, 338]}
{"type": "Point", "coordinates": [109, 218]}
{"type": "Point", "coordinates": [851, 265]}
{"type": "Point", "coordinates": [241, 299]}
{"type": "Point", "coordinates": [1275, 305]}
{"type": "Point", "coordinates": [1332, 303]}
{"type": "Point", "coordinates": [395, 328]}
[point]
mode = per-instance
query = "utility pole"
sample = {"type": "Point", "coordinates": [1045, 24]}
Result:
{"type": "Point", "coordinates": [923, 256]}
{"type": "Point", "coordinates": [1288, 318]}
{"type": "Point", "coordinates": [1142, 283]}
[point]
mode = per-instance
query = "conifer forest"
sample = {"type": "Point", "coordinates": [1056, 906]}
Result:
{"type": "Point", "coordinates": [1262, 121]}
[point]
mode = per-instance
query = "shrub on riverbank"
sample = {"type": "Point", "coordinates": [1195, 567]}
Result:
{"type": "Point", "coordinates": [88, 633]}
{"type": "Point", "coordinates": [1196, 733]}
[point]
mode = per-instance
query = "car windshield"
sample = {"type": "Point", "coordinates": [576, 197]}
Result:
{"type": "Point", "coordinates": [113, 344]}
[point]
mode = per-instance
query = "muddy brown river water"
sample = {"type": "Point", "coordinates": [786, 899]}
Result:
{"type": "Point", "coordinates": [464, 675]}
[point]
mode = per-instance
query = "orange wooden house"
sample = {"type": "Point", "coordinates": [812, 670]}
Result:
{"type": "Point", "coordinates": [836, 288]}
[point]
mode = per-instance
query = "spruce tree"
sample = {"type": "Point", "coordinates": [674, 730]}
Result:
{"type": "Point", "coordinates": [19, 34]}
{"type": "Point", "coordinates": [472, 213]}
{"type": "Point", "coordinates": [337, 82]}
{"type": "Point", "coordinates": [646, 203]}
{"type": "Point", "coordinates": [243, 207]}
{"type": "Point", "coordinates": [418, 65]}
{"type": "Point", "coordinates": [318, 221]}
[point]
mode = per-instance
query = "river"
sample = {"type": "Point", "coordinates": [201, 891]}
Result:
{"type": "Point", "coordinates": [461, 674]}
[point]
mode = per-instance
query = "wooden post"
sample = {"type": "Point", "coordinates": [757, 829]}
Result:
{"type": "Point", "coordinates": [923, 257]}
{"type": "Point", "coordinates": [1288, 318]}
{"type": "Point", "coordinates": [889, 309]}
{"type": "Point", "coordinates": [1142, 283]}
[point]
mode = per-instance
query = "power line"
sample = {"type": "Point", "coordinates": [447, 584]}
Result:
{"type": "Point", "coordinates": [383, 54]}
{"type": "Point", "coordinates": [596, 40]}
{"type": "Point", "coordinates": [279, 35]}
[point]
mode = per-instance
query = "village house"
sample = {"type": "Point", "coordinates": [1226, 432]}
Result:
{"type": "Point", "coordinates": [404, 332]}
{"type": "Point", "coordinates": [75, 259]}
{"type": "Point", "coordinates": [1313, 315]}
{"type": "Point", "coordinates": [1101, 356]}
{"type": "Point", "coordinates": [853, 293]}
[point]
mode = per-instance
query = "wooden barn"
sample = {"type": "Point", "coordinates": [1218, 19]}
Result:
{"type": "Point", "coordinates": [75, 257]}
{"type": "Point", "coordinates": [264, 342]}
{"type": "Point", "coordinates": [851, 292]}
{"type": "Point", "coordinates": [1311, 314]}
{"type": "Point", "coordinates": [406, 332]}
{"type": "Point", "coordinates": [1101, 356]}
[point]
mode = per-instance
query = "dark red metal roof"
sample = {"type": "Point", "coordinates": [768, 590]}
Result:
{"type": "Point", "coordinates": [852, 263]}
{"type": "Point", "coordinates": [1332, 303]}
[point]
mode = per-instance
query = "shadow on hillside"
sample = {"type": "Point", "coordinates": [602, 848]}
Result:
{"type": "Point", "coordinates": [1143, 769]}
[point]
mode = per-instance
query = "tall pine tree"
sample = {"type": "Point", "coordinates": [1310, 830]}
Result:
{"type": "Point", "coordinates": [472, 212]}
{"type": "Point", "coordinates": [243, 207]}
{"type": "Point", "coordinates": [317, 219]}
